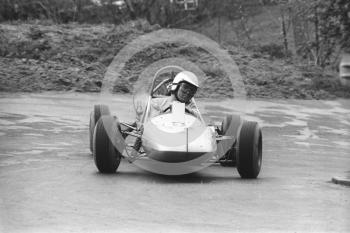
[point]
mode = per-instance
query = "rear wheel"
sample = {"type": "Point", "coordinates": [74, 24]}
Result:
{"type": "Point", "coordinates": [106, 139]}
{"type": "Point", "coordinates": [99, 110]}
{"type": "Point", "coordinates": [229, 127]}
{"type": "Point", "coordinates": [91, 129]}
{"type": "Point", "coordinates": [249, 158]}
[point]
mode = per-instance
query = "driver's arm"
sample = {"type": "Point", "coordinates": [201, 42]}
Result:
{"type": "Point", "coordinates": [191, 107]}
{"type": "Point", "coordinates": [158, 105]}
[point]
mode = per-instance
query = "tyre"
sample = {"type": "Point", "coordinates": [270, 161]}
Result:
{"type": "Point", "coordinates": [99, 110]}
{"type": "Point", "coordinates": [249, 156]}
{"type": "Point", "coordinates": [107, 158]}
{"type": "Point", "coordinates": [229, 127]}
{"type": "Point", "coordinates": [92, 124]}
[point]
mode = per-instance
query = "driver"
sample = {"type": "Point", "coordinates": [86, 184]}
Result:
{"type": "Point", "coordinates": [183, 89]}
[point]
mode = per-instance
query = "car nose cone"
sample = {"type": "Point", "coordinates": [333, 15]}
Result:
{"type": "Point", "coordinates": [167, 142]}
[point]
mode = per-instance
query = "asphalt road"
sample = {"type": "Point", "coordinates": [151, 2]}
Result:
{"type": "Point", "coordinates": [49, 183]}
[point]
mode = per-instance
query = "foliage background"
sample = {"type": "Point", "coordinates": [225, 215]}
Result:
{"type": "Point", "coordinates": [285, 48]}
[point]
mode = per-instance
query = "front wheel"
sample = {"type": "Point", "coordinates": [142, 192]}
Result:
{"type": "Point", "coordinates": [249, 157]}
{"type": "Point", "coordinates": [108, 145]}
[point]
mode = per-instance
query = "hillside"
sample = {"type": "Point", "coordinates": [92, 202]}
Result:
{"type": "Point", "coordinates": [74, 57]}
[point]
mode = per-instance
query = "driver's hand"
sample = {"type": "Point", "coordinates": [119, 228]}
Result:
{"type": "Point", "coordinates": [191, 111]}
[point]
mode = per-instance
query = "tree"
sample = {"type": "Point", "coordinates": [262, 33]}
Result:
{"type": "Point", "coordinates": [335, 21]}
{"type": "Point", "coordinates": [321, 28]}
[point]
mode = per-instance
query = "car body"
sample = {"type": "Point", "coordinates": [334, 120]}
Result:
{"type": "Point", "coordinates": [175, 135]}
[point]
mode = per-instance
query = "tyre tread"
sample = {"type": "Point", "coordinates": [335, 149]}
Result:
{"type": "Point", "coordinates": [106, 157]}
{"type": "Point", "coordinates": [246, 160]}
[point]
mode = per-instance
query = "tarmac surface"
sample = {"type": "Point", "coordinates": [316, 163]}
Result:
{"type": "Point", "coordinates": [49, 183]}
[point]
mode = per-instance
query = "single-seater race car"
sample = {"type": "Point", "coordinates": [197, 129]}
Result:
{"type": "Point", "coordinates": [174, 136]}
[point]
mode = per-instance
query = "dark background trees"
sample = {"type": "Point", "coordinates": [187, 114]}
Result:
{"type": "Point", "coordinates": [321, 29]}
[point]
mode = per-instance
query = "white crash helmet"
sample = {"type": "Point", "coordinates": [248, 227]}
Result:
{"type": "Point", "coordinates": [184, 76]}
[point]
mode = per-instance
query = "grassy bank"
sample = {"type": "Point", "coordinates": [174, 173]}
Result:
{"type": "Point", "coordinates": [38, 57]}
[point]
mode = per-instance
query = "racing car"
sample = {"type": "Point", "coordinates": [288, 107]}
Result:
{"type": "Point", "coordinates": [173, 136]}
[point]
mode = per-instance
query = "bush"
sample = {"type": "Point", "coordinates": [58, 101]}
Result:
{"type": "Point", "coordinates": [273, 50]}
{"type": "Point", "coordinates": [3, 44]}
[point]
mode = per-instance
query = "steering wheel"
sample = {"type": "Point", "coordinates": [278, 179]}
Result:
{"type": "Point", "coordinates": [174, 70]}
{"type": "Point", "coordinates": [162, 84]}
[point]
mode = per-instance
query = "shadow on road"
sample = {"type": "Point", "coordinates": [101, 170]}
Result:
{"type": "Point", "coordinates": [216, 175]}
